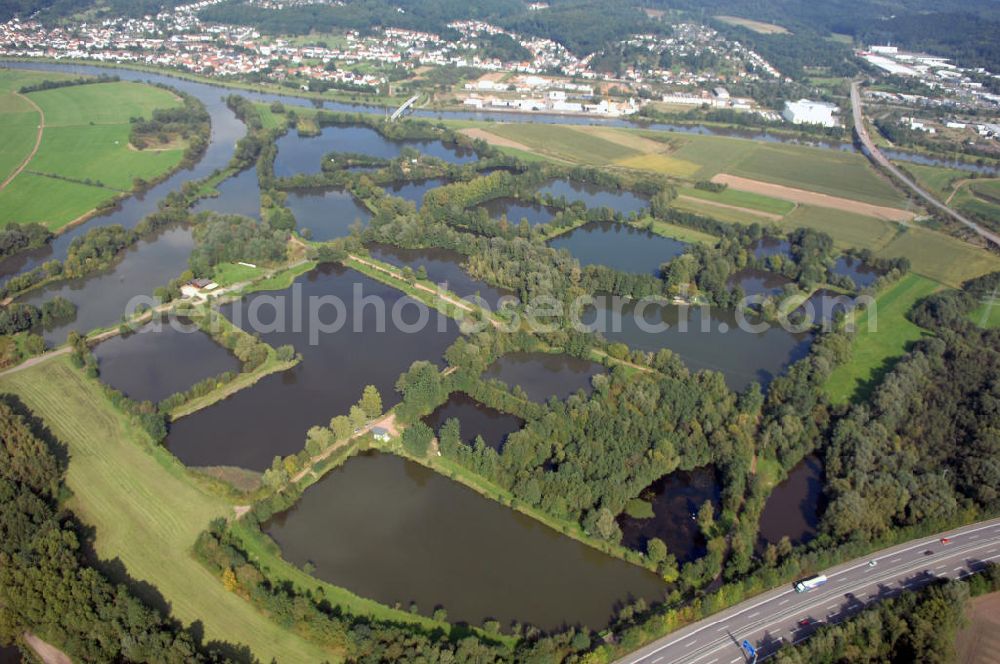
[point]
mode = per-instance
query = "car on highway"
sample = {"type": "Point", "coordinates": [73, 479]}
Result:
{"type": "Point", "coordinates": [946, 540]}
{"type": "Point", "coordinates": [872, 563]}
{"type": "Point", "coordinates": [805, 622]}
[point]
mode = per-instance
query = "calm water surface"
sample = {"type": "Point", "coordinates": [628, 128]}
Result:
{"type": "Point", "coordinates": [414, 191]}
{"type": "Point", "coordinates": [304, 154]}
{"type": "Point", "coordinates": [161, 359]}
{"type": "Point", "coordinates": [861, 274]}
{"type": "Point", "coordinates": [239, 194]}
{"type": "Point", "coordinates": [594, 196]}
{"type": "Point", "coordinates": [758, 282]}
{"type": "Point", "coordinates": [771, 246]}
{"type": "Point", "coordinates": [392, 530]}
{"type": "Point", "coordinates": [444, 267]}
{"type": "Point", "coordinates": [545, 375]}
{"type": "Point", "coordinates": [713, 339]}
{"type": "Point", "coordinates": [515, 210]}
{"type": "Point", "coordinates": [102, 298]}
{"type": "Point", "coordinates": [475, 419]}
{"type": "Point", "coordinates": [794, 506]}
{"type": "Point", "coordinates": [619, 246]}
{"type": "Point", "coordinates": [328, 213]}
{"type": "Point", "coordinates": [271, 418]}
{"type": "Point", "coordinates": [676, 499]}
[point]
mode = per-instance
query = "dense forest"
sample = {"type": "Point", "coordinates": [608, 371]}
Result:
{"type": "Point", "coordinates": [936, 416]}
{"type": "Point", "coordinates": [916, 626]}
{"type": "Point", "coordinates": [45, 586]}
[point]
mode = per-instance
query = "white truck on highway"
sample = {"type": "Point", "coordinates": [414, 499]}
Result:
{"type": "Point", "coordinates": [810, 583]}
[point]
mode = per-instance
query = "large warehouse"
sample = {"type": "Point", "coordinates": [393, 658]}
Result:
{"type": "Point", "coordinates": [805, 111]}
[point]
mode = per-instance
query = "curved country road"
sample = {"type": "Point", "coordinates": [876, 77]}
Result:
{"type": "Point", "coordinates": [880, 159]}
{"type": "Point", "coordinates": [785, 616]}
{"type": "Point", "coordinates": [38, 142]}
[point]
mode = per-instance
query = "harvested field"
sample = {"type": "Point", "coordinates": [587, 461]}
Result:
{"type": "Point", "coordinates": [813, 198]}
{"type": "Point", "coordinates": [979, 642]}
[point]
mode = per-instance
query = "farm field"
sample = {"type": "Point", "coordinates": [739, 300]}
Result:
{"type": "Point", "coordinates": [724, 212]}
{"type": "Point", "coordinates": [756, 26]}
{"type": "Point", "coordinates": [565, 142]}
{"type": "Point", "coordinates": [873, 351]}
{"type": "Point", "coordinates": [145, 508]}
{"type": "Point", "coordinates": [84, 158]}
{"type": "Point", "coordinates": [743, 199]}
{"type": "Point", "coordinates": [940, 257]}
{"type": "Point", "coordinates": [843, 174]}
{"type": "Point", "coordinates": [978, 641]}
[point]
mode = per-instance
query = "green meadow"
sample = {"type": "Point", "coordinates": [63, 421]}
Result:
{"type": "Point", "coordinates": [883, 335]}
{"type": "Point", "coordinates": [84, 158]}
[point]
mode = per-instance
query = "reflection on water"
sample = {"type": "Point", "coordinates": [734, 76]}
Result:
{"type": "Point", "coordinates": [594, 196]}
{"type": "Point", "coordinates": [619, 246]}
{"type": "Point", "coordinates": [392, 530]}
{"type": "Point", "coordinates": [327, 213]}
{"type": "Point", "coordinates": [675, 500]}
{"type": "Point", "coordinates": [545, 375]}
{"type": "Point", "coordinates": [794, 506]}
{"type": "Point", "coordinates": [271, 418]}
{"type": "Point", "coordinates": [161, 359]}
{"type": "Point", "coordinates": [102, 299]}
{"type": "Point", "coordinates": [475, 419]}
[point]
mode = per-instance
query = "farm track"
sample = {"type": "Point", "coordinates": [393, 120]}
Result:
{"type": "Point", "coordinates": [38, 142]}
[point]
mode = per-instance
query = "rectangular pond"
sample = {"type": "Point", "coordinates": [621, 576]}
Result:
{"type": "Point", "coordinates": [475, 420]}
{"type": "Point", "coordinates": [545, 375]}
{"type": "Point", "coordinates": [363, 333]}
{"type": "Point", "coordinates": [327, 213]}
{"type": "Point", "coordinates": [705, 338]}
{"type": "Point", "coordinates": [595, 196]}
{"type": "Point", "coordinates": [395, 531]}
{"type": "Point", "coordinates": [161, 359]}
{"type": "Point", "coordinates": [619, 246]}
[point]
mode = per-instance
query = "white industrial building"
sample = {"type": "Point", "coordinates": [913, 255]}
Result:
{"type": "Point", "coordinates": [805, 111]}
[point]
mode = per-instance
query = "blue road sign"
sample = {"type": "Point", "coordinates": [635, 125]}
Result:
{"type": "Point", "coordinates": [751, 651]}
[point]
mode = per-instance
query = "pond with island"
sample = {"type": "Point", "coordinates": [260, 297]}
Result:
{"type": "Point", "coordinates": [304, 154]}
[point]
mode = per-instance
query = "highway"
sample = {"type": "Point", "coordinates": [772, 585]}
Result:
{"type": "Point", "coordinates": [881, 160]}
{"type": "Point", "coordinates": [779, 616]}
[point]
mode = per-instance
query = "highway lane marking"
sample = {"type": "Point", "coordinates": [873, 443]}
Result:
{"type": "Point", "coordinates": [940, 567]}
{"type": "Point", "coordinates": [657, 659]}
{"type": "Point", "coordinates": [973, 537]}
{"type": "Point", "coordinates": [895, 560]}
{"type": "Point", "coordinates": [754, 615]}
{"type": "Point", "coordinates": [733, 661]}
{"type": "Point", "coordinates": [958, 569]}
{"type": "Point", "coordinates": [832, 606]}
{"type": "Point", "coordinates": [783, 602]}
{"type": "Point", "coordinates": [767, 600]}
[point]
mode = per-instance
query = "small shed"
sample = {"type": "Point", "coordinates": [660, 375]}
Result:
{"type": "Point", "coordinates": [197, 287]}
{"type": "Point", "coordinates": [381, 434]}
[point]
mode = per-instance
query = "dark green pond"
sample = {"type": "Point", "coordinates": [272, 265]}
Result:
{"type": "Point", "coordinates": [392, 530]}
